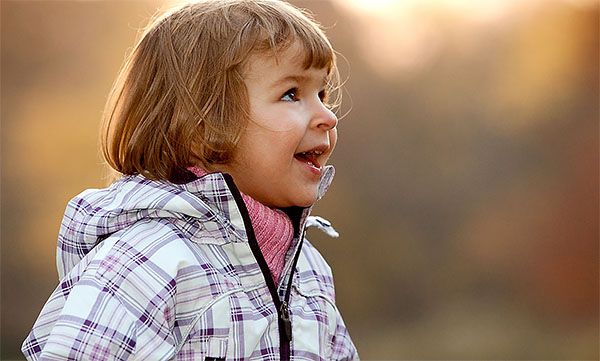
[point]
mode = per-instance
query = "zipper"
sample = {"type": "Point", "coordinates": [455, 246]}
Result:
{"type": "Point", "coordinates": [283, 312]}
{"type": "Point", "coordinates": [287, 323]}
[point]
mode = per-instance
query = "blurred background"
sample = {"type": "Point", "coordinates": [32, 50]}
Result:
{"type": "Point", "coordinates": [467, 169]}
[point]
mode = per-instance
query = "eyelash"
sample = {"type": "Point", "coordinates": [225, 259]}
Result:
{"type": "Point", "coordinates": [323, 95]}
{"type": "Point", "coordinates": [293, 92]}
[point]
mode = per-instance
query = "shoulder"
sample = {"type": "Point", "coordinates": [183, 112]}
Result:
{"type": "Point", "coordinates": [160, 250]}
{"type": "Point", "coordinates": [315, 258]}
{"type": "Point", "coordinates": [155, 244]}
{"type": "Point", "coordinates": [152, 267]}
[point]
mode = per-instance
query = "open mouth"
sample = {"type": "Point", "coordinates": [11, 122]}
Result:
{"type": "Point", "coordinates": [310, 158]}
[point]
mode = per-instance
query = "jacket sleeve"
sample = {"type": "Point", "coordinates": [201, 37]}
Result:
{"type": "Point", "coordinates": [91, 324]}
{"type": "Point", "coordinates": [116, 305]}
{"type": "Point", "coordinates": [95, 322]}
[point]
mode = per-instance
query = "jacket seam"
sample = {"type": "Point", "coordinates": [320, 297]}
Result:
{"type": "Point", "coordinates": [186, 334]}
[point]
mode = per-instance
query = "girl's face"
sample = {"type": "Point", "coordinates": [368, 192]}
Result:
{"type": "Point", "coordinates": [291, 134]}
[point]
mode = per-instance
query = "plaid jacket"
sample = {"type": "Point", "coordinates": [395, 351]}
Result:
{"type": "Point", "coordinates": [158, 271]}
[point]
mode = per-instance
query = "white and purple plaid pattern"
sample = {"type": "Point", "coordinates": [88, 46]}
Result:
{"type": "Point", "coordinates": [158, 271]}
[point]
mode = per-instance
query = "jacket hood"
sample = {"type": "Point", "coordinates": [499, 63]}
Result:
{"type": "Point", "coordinates": [95, 214]}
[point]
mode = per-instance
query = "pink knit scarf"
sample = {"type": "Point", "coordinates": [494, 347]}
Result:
{"type": "Point", "coordinates": [272, 227]}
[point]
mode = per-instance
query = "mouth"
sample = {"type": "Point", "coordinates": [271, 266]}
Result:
{"type": "Point", "coordinates": [312, 158]}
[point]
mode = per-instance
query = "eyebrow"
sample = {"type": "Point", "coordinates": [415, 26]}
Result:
{"type": "Point", "coordinates": [295, 78]}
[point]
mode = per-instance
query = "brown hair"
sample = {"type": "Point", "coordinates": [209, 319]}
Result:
{"type": "Point", "coordinates": [180, 98]}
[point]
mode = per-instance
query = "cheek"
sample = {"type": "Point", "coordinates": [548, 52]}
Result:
{"type": "Point", "coordinates": [263, 146]}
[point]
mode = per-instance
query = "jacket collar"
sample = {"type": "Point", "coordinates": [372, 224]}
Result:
{"type": "Point", "coordinates": [212, 189]}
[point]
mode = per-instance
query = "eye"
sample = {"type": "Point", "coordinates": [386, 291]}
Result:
{"type": "Point", "coordinates": [291, 95]}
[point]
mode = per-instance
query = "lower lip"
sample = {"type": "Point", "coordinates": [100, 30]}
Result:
{"type": "Point", "coordinates": [311, 168]}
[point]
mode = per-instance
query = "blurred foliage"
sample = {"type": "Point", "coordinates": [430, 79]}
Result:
{"type": "Point", "coordinates": [467, 169]}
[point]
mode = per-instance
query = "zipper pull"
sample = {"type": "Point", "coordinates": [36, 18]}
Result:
{"type": "Point", "coordinates": [287, 323]}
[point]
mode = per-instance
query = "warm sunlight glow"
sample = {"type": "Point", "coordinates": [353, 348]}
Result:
{"type": "Point", "coordinates": [404, 36]}
{"type": "Point", "coordinates": [466, 7]}
{"type": "Point", "coordinates": [372, 6]}
{"type": "Point", "coordinates": [486, 9]}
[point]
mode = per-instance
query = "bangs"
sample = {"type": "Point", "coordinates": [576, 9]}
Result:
{"type": "Point", "coordinates": [273, 26]}
{"type": "Point", "coordinates": [317, 52]}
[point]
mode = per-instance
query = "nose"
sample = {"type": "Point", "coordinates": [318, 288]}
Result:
{"type": "Point", "coordinates": [324, 118]}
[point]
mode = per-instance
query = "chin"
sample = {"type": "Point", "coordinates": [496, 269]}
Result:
{"type": "Point", "coordinates": [305, 204]}
{"type": "Point", "coordinates": [305, 201]}
{"type": "Point", "coordinates": [299, 199]}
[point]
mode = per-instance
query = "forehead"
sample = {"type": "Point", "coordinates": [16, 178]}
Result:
{"type": "Point", "coordinates": [278, 65]}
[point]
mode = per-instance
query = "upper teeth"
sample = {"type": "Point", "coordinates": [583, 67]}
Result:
{"type": "Point", "coordinates": [315, 152]}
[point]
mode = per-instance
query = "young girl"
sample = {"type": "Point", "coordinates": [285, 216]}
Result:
{"type": "Point", "coordinates": [220, 124]}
